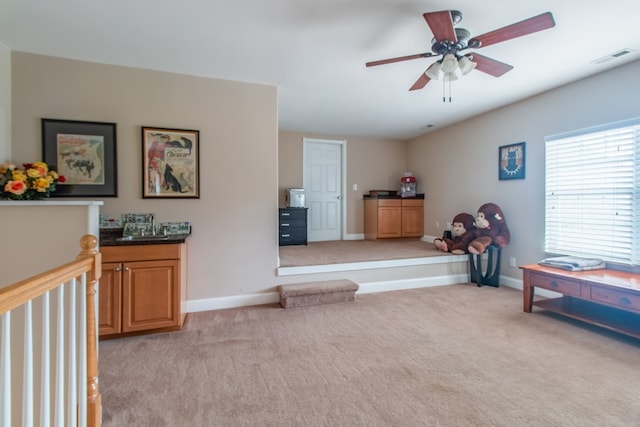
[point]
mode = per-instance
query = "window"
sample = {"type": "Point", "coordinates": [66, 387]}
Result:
{"type": "Point", "coordinates": [592, 195]}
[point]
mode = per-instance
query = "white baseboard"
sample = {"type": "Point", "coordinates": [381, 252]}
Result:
{"type": "Point", "coordinates": [206, 304]}
{"type": "Point", "coordinates": [368, 265]}
{"type": "Point", "coordinates": [353, 237]}
{"type": "Point", "coordinates": [424, 282]}
{"type": "Point", "coordinates": [429, 239]}
{"type": "Point", "coordinates": [517, 284]}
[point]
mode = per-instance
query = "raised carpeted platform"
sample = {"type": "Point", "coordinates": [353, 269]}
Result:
{"type": "Point", "coordinates": [315, 293]}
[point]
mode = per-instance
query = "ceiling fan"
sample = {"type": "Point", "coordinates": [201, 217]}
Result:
{"type": "Point", "coordinates": [449, 41]}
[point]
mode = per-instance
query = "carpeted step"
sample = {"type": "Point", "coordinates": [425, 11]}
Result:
{"type": "Point", "coordinates": [315, 293]}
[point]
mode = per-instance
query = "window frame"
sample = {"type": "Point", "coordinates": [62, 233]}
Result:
{"type": "Point", "coordinates": [609, 197]}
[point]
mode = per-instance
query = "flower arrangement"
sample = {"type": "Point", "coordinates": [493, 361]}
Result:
{"type": "Point", "coordinates": [35, 181]}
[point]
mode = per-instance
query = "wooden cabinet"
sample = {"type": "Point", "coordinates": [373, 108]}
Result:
{"type": "Point", "coordinates": [412, 218]}
{"type": "Point", "coordinates": [110, 299]}
{"type": "Point", "coordinates": [388, 216]}
{"type": "Point", "coordinates": [392, 218]}
{"type": "Point", "coordinates": [142, 289]}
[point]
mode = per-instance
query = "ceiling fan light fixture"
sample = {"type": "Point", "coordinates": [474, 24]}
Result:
{"type": "Point", "coordinates": [449, 63]}
{"type": "Point", "coordinates": [449, 41]}
{"type": "Point", "coordinates": [466, 65]}
{"type": "Point", "coordinates": [434, 72]}
{"type": "Point", "coordinates": [454, 75]}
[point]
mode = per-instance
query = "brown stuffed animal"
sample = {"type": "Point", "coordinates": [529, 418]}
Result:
{"type": "Point", "coordinates": [491, 229]}
{"type": "Point", "coordinates": [462, 233]}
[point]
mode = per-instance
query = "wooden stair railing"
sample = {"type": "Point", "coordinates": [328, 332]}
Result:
{"type": "Point", "coordinates": [69, 395]}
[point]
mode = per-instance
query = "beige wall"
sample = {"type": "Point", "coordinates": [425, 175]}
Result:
{"type": "Point", "coordinates": [372, 164]}
{"type": "Point", "coordinates": [37, 246]}
{"type": "Point", "coordinates": [459, 164]}
{"type": "Point", "coordinates": [233, 249]}
{"type": "Point", "coordinates": [5, 103]}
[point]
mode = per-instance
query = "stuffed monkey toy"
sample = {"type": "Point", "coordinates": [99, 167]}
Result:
{"type": "Point", "coordinates": [462, 233]}
{"type": "Point", "coordinates": [491, 229]}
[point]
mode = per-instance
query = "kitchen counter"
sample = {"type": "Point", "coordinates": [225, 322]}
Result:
{"type": "Point", "coordinates": [113, 237]}
{"type": "Point", "coordinates": [397, 196]}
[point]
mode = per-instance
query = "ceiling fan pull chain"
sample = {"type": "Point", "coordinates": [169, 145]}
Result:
{"type": "Point", "coordinates": [446, 78]}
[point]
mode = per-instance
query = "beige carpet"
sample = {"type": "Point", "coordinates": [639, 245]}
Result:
{"type": "Point", "coordinates": [445, 356]}
{"type": "Point", "coordinates": [346, 251]}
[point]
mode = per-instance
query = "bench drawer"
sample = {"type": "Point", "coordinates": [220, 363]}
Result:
{"type": "Point", "coordinates": [566, 287]}
{"type": "Point", "coordinates": [620, 299]}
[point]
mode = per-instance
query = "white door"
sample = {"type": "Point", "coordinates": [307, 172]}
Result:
{"type": "Point", "coordinates": [322, 179]}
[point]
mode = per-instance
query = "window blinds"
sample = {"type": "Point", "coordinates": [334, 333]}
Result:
{"type": "Point", "coordinates": [592, 196]}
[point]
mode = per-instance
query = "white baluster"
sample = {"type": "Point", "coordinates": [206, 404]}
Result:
{"type": "Point", "coordinates": [45, 376]}
{"type": "Point", "coordinates": [82, 349]}
{"type": "Point", "coordinates": [27, 373]}
{"type": "Point", "coordinates": [72, 396]}
{"type": "Point", "coordinates": [5, 371]}
{"type": "Point", "coordinates": [59, 381]}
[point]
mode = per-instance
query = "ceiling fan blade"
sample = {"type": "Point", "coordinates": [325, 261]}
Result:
{"type": "Point", "coordinates": [400, 58]}
{"type": "Point", "coordinates": [441, 25]}
{"type": "Point", "coordinates": [522, 28]}
{"type": "Point", "coordinates": [489, 65]}
{"type": "Point", "coordinates": [421, 82]}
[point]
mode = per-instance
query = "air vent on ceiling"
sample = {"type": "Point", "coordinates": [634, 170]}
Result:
{"type": "Point", "coordinates": [611, 56]}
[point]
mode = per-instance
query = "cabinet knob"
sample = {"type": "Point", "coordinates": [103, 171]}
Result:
{"type": "Point", "coordinates": [116, 269]}
{"type": "Point", "coordinates": [624, 300]}
{"type": "Point", "coordinates": [126, 269]}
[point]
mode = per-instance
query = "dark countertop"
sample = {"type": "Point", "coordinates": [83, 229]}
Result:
{"type": "Point", "coordinates": [113, 237]}
{"type": "Point", "coordinates": [397, 196]}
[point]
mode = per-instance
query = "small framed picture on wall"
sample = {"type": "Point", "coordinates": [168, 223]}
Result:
{"type": "Point", "coordinates": [85, 154]}
{"type": "Point", "coordinates": [511, 161]}
{"type": "Point", "coordinates": [170, 163]}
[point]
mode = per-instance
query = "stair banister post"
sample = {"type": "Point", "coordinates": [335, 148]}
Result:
{"type": "Point", "coordinates": [88, 243]}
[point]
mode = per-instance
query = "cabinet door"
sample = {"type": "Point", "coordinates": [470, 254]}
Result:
{"type": "Point", "coordinates": [110, 299]}
{"type": "Point", "coordinates": [389, 221]}
{"type": "Point", "coordinates": [151, 295]}
{"type": "Point", "coordinates": [412, 220]}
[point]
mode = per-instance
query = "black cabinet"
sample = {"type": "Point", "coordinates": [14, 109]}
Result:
{"type": "Point", "coordinates": [293, 226]}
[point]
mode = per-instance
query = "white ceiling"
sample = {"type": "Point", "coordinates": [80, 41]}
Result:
{"type": "Point", "coordinates": [315, 51]}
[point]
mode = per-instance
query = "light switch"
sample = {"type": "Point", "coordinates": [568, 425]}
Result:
{"type": "Point", "coordinates": [355, 187]}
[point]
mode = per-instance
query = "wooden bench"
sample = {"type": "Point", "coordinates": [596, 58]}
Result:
{"type": "Point", "coordinates": [606, 298]}
{"type": "Point", "coordinates": [316, 293]}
